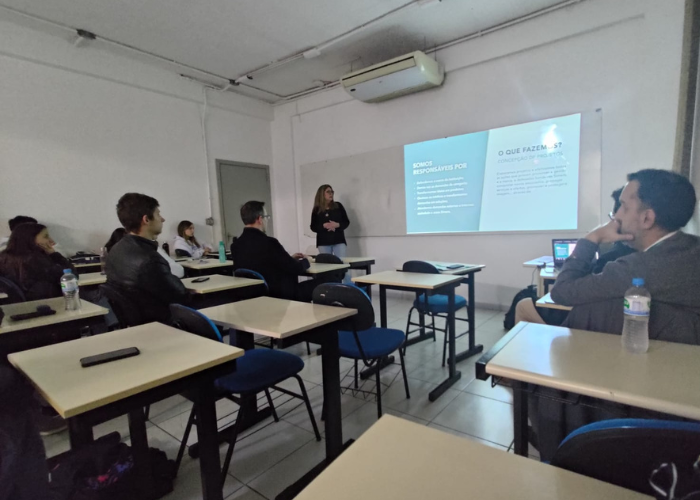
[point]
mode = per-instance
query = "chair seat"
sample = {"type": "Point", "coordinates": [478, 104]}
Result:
{"type": "Point", "coordinates": [438, 303]}
{"type": "Point", "coordinates": [376, 342]}
{"type": "Point", "coordinates": [258, 369]}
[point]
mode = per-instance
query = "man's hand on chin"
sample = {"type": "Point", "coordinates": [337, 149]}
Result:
{"type": "Point", "coordinates": [608, 233]}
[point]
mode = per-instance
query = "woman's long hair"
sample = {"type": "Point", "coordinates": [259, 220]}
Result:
{"type": "Point", "coordinates": [23, 240]}
{"type": "Point", "coordinates": [21, 250]}
{"type": "Point", "coordinates": [184, 226]}
{"type": "Point", "coordinates": [320, 200]}
{"type": "Point", "coordinates": [116, 237]}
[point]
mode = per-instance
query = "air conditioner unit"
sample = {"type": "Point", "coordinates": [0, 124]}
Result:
{"type": "Point", "coordinates": [399, 76]}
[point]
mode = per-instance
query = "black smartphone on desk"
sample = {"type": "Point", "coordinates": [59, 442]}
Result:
{"type": "Point", "coordinates": [201, 280]}
{"type": "Point", "coordinates": [106, 357]}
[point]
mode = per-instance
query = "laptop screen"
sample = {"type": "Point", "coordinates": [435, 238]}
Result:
{"type": "Point", "coordinates": [561, 250]}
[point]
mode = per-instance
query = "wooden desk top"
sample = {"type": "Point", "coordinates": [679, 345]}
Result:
{"type": "Point", "coordinates": [90, 279]}
{"type": "Point", "coordinates": [167, 354]}
{"type": "Point", "coordinates": [218, 283]}
{"type": "Point", "coordinates": [412, 280]}
{"type": "Point", "coordinates": [58, 304]}
{"type": "Point", "coordinates": [548, 303]}
{"type": "Point", "coordinates": [204, 263]}
{"type": "Point", "coordinates": [465, 269]}
{"type": "Point", "coordinates": [325, 268]}
{"type": "Point", "coordinates": [276, 318]}
{"type": "Point", "coordinates": [594, 364]}
{"type": "Point", "coordinates": [539, 262]}
{"type": "Point", "coordinates": [87, 264]}
{"type": "Point", "coordinates": [397, 459]}
{"type": "Point", "coordinates": [358, 260]}
{"type": "Point", "coordinates": [549, 273]}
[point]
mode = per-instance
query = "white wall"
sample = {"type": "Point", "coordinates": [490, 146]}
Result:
{"type": "Point", "coordinates": [79, 127]}
{"type": "Point", "coordinates": [621, 56]}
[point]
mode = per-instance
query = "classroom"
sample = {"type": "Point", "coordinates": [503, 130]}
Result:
{"type": "Point", "coordinates": [320, 249]}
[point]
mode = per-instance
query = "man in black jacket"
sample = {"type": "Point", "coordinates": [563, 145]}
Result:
{"type": "Point", "coordinates": [134, 267]}
{"type": "Point", "coordinates": [259, 252]}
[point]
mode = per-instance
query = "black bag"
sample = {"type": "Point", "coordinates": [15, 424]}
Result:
{"type": "Point", "coordinates": [526, 293]}
{"type": "Point", "coordinates": [104, 470]}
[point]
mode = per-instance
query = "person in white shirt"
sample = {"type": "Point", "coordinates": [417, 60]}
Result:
{"type": "Point", "coordinates": [175, 268]}
{"type": "Point", "coordinates": [186, 245]}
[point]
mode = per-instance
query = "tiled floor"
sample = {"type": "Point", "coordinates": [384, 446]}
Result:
{"type": "Point", "coordinates": [271, 456]}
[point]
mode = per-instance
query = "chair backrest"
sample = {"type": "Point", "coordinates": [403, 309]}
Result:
{"type": "Point", "coordinates": [127, 312]}
{"type": "Point", "coordinates": [182, 253]}
{"type": "Point", "coordinates": [193, 321]}
{"type": "Point", "coordinates": [350, 296]}
{"type": "Point", "coordinates": [166, 247]}
{"type": "Point", "coordinates": [625, 452]}
{"type": "Point", "coordinates": [253, 275]}
{"type": "Point", "coordinates": [332, 277]}
{"type": "Point", "coordinates": [13, 291]}
{"type": "Point", "coordinates": [419, 266]}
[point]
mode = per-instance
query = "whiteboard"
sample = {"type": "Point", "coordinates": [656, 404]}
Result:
{"type": "Point", "coordinates": [371, 186]}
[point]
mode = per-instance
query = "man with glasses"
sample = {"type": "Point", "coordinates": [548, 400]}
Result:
{"type": "Point", "coordinates": [257, 251]}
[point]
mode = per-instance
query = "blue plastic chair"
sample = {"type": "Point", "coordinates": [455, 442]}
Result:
{"type": "Point", "coordinates": [13, 291]}
{"type": "Point", "coordinates": [257, 371]}
{"type": "Point", "coordinates": [435, 306]}
{"type": "Point", "coordinates": [364, 341]}
{"type": "Point", "coordinates": [627, 451]}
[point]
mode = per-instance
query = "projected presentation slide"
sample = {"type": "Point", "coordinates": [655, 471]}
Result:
{"type": "Point", "coordinates": [518, 178]}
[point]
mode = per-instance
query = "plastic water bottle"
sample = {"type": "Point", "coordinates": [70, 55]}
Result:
{"type": "Point", "coordinates": [635, 332]}
{"type": "Point", "coordinates": [222, 252]}
{"type": "Point", "coordinates": [71, 292]}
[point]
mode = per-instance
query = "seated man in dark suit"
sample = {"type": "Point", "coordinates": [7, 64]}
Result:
{"type": "Point", "coordinates": [134, 267]}
{"type": "Point", "coordinates": [259, 252]}
{"type": "Point", "coordinates": [655, 205]}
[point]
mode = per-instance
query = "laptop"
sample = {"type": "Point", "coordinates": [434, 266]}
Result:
{"type": "Point", "coordinates": [561, 250]}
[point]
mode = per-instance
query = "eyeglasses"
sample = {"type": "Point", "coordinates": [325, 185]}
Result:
{"type": "Point", "coordinates": [330, 191]}
{"type": "Point", "coordinates": [266, 216]}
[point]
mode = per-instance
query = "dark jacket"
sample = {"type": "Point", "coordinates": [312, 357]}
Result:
{"type": "Point", "coordinates": [259, 252]}
{"type": "Point", "coordinates": [38, 274]}
{"type": "Point", "coordinates": [135, 268]}
{"type": "Point", "coordinates": [619, 249]}
{"type": "Point", "coordinates": [324, 237]}
{"type": "Point", "coordinates": [671, 274]}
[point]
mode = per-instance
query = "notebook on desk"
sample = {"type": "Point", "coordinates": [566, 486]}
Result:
{"type": "Point", "coordinates": [561, 250]}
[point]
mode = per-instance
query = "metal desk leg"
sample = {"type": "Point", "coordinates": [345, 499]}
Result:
{"type": "Point", "coordinates": [454, 374]}
{"type": "Point", "coordinates": [471, 310]}
{"type": "Point", "coordinates": [139, 448]}
{"type": "Point", "coordinates": [330, 360]}
{"type": "Point", "coordinates": [382, 305]}
{"type": "Point", "coordinates": [79, 435]}
{"type": "Point", "coordinates": [520, 418]}
{"type": "Point", "coordinates": [209, 460]}
{"type": "Point", "coordinates": [369, 372]}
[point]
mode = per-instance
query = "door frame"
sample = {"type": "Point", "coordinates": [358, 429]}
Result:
{"type": "Point", "coordinates": [219, 164]}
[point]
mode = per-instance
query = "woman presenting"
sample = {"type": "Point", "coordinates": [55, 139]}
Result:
{"type": "Point", "coordinates": [329, 221]}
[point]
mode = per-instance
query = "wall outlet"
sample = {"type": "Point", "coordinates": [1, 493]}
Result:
{"type": "Point", "coordinates": [209, 221]}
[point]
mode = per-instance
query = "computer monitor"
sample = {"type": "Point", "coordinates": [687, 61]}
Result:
{"type": "Point", "coordinates": [561, 250]}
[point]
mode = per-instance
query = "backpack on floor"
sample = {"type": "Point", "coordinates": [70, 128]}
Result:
{"type": "Point", "coordinates": [526, 293]}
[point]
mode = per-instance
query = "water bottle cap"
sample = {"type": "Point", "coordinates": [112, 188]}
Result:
{"type": "Point", "coordinates": [638, 281]}
{"type": "Point", "coordinates": [67, 271]}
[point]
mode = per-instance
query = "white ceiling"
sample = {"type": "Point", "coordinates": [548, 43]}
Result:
{"type": "Point", "coordinates": [234, 37]}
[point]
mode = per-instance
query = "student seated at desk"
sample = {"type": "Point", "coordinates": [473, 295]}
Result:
{"type": "Point", "coordinates": [134, 266]}
{"type": "Point", "coordinates": [186, 245]}
{"type": "Point", "coordinates": [119, 233]}
{"type": "Point", "coordinates": [527, 311]}
{"type": "Point", "coordinates": [32, 263]}
{"type": "Point", "coordinates": [259, 252]}
{"type": "Point", "coordinates": [655, 205]}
